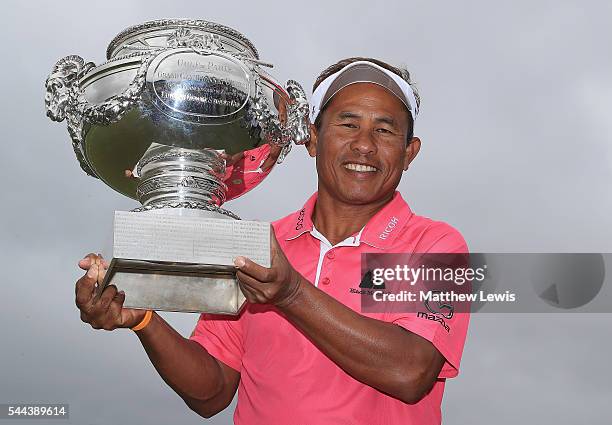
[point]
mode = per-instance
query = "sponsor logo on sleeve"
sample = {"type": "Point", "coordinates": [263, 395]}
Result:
{"type": "Point", "coordinates": [437, 312]}
{"type": "Point", "coordinates": [434, 318]}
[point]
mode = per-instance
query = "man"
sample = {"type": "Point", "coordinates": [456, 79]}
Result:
{"type": "Point", "coordinates": [301, 351]}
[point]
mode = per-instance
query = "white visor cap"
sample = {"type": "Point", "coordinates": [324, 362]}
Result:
{"type": "Point", "coordinates": [362, 72]}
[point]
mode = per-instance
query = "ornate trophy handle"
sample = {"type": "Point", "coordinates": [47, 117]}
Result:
{"type": "Point", "coordinates": [297, 128]}
{"type": "Point", "coordinates": [63, 100]}
{"type": "Point", "coordinates": [63, 86]}
{"type": "Point", "coordinates": [298, 120]}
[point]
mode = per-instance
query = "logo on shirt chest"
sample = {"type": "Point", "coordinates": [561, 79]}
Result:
{"type": "Point", "coordinates": [367, 282]}
{"type": "Point", "coordinates": [367, 286]}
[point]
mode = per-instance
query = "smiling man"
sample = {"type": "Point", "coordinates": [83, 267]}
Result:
{"type": "Point", "coordinates": [302, 351]}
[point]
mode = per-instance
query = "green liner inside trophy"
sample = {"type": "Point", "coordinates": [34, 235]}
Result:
{"type": "Point", "coordinates": [174, 99]}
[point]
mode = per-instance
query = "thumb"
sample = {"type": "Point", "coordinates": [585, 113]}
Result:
{"type": "Point", "coordinates": [252, 269]}
{"type": "Point", "coordinates": [274, 246]}
{"type": "Point", "coordinates": [244, 264]}
{"type": "Point", "coordinates": [275, 249]}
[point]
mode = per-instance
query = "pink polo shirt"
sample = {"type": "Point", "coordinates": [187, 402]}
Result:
{"type": "Point", "coordinates": [285, 379]}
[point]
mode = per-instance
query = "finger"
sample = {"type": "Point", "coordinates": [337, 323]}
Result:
{"type": "Point", "coordinates": [249, 294]}
{"type": "Point", "coordinates": [101, 273]}
{"type": "Point", "coordinates": [87, 261]}
{"type": "Point", "coordinates": [85, 287]}
{"type": "Point", "coordinates": [251, 283]}
{"type": "Point", "coordinates": [254, 270]}
{"type": "Point", "coordinates": [115, 308]}
{"type": "Point", "coordinates": [263, 292]}
{"type": "Point", "coordinates": [105, 299]}
{"type": "Point", "coordinates": [84, 317]}
{"type": "Point", "coordinates": [101, 261]}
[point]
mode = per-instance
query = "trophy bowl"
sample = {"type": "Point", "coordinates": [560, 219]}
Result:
{"type": "Point", "coordinates": [180, 117]}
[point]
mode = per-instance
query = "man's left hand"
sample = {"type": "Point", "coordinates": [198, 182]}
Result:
{"type": "Point", "coordinates": [278, 285]}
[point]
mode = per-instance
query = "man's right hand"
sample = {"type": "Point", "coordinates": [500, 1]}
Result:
{"type": "Point", "coordinates": [102, 311]}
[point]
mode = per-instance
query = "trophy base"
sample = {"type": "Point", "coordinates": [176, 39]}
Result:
{"type": "Point", "coordinates": [181, 287]}
{"type": "Point", "coordinates": [183, 262]}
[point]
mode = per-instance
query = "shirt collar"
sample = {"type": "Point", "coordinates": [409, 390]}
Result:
{"type": "Point", "coordinates": [350, 241]}
{"type": "Point", "coordinates": [380, 231]}
{"type": "Point", "coordinates": [385, 226]}
{"type": "Point", "coordinates": [301, 221]}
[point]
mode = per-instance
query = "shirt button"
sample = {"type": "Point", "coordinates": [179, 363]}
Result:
{"type": "Point", "coordinates": [330, 255]}
{"type": "Point", "coordinates": [325, 281]}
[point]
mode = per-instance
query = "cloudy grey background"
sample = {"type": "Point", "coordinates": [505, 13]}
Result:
{"type": "Point", "coordinates": [516, 154]}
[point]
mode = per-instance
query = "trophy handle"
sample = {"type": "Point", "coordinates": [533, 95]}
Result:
{"type": "Point", "coordinates": [298, 121]}
{"type": "Point", "coordinates": [63, 86]}
{"type": "Point", "coordinates": [63, 100]}
{"type": "Point", "coordinates": [297, 128]}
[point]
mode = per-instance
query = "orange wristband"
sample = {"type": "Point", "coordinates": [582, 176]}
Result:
{"type": "Point", "coordinates": [144, 322]}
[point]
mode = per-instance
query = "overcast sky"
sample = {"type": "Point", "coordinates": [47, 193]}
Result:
{"type": "Point", "coordinates": [516, 154]}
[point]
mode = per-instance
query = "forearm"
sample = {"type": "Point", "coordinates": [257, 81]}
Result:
{"type": "Point", "coordinates": [379, 354]}
{"type": "Point", "coordinates": [184, 365]}
{"type": "Point", "coordinates": [205, 384]}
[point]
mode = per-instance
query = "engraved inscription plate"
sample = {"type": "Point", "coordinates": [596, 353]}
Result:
{"type": "Point", "coordinates": [191, 85]}
{"type": "Point", "coordinates": [189, 239]}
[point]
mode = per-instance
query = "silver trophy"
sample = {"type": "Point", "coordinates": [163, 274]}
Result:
{"type": "Point", "coordinates": [157, 122]}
